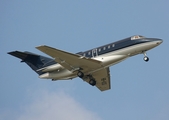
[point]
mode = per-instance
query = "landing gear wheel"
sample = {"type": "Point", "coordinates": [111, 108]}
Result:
{"type": "Point", "coordinates": [80, 74]}
{"type": "Point", "coordinates": [92, 82]}
{"type": "Point", "coordinates": [146, 59]}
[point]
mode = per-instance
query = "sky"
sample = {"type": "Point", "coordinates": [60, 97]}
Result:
{"type": "Point", "coordinates": [139, 90]}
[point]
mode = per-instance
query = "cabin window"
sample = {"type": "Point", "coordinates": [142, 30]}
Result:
{"type": "Point", "coordinates": [88, 53]}
{"type": "Point", "coordinates": [84, 54]}
{"type": "Point", "coordinates": [113, 45]}
{"type": "Point", "coordinates": [104, 48]}
{"type": "Point", "coordinates": [99, 49]}
{"type": "Point", "coordinates": [109, 47]}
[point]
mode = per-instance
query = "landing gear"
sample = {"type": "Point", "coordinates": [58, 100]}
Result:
{"type": "Point", "coordinates": [92, 82]}
{"type": "Point", "coordinates": [145, 57]}
{"type": "Point", "coordinates": [80, 74]}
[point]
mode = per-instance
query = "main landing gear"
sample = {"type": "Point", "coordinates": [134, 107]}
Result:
{"type": "Point", "coordinates": [80, 74]}
{"type": "Point", "coordinates": [92, 81]}
{"type": "Point", "coordinates": [145, 57]}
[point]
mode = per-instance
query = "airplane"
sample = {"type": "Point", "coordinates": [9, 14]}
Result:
{"type": "Point", "coordinates": [92, 65]}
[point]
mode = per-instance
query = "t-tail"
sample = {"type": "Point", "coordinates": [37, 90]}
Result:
{"type": "Point", "coordinates": [34, 61]}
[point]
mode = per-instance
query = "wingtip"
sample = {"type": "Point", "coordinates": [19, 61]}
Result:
{"type": "Point", "coordinates": [40, 46]}
{"type": "Point", "coordinates": [12, 52]}
{"type": "Point", "coordinates": [8, 52]}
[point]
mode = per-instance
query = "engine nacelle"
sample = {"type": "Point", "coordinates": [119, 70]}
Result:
{"type": "Point", "coordinates": [58, 75]}
{"type": "Point", "coordinates": [50, 68]}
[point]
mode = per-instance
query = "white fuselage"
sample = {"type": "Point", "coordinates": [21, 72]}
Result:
{"type": "Point", "coordinates": [58, 72]}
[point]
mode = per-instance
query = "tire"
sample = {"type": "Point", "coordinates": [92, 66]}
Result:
{"type": "Point", "coordinates": [80, 74]}
{"type": "Point", "coordinates": [146, 59]}
{"type": "Point", "coordinates": [92, 82]}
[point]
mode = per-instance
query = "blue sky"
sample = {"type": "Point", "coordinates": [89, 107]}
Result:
{"type": "Point", "coordinates": [139, 91]}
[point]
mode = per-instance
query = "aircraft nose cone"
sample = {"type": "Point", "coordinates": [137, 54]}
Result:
{"type": "Point", "coordinates": [159, 41]}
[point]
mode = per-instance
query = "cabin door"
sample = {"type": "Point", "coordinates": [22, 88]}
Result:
{"type": "Point", "coordinates": [94, 53]}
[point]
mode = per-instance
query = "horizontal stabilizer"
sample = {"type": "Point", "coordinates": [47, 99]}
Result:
{"type": "Point", "coordinates": [22, 55]}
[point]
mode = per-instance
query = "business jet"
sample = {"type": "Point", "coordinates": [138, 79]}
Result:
{"type": "Point", "coordinates": [92, 65]}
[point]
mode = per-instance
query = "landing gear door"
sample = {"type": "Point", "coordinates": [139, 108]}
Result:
{"type": "Point", "coordinates": [94, 53]}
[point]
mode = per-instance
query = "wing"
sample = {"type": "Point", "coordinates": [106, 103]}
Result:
{"type": "Point", "coordinates": [71, 61]}
{"type": "Point", "coordinates": [102, 78]}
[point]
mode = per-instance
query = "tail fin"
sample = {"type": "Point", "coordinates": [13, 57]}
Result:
{"type": "Point", "coordinates": [33, 60]}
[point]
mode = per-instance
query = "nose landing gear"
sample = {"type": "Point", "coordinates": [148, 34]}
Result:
{"type": "Point", "coordinates": [145, 57]}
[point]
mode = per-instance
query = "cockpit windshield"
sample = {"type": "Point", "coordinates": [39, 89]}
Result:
{"type": "Point", "coordinates": [137, 37]}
